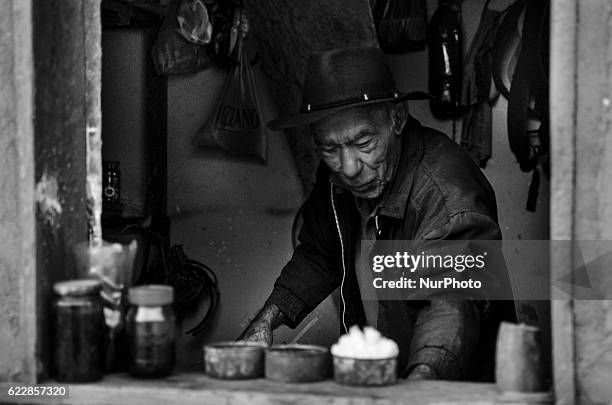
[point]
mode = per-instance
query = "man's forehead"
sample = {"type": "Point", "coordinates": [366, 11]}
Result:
{"type": "Point", "coordinates": [346, 124]}
{"type": "Point", "coordinates": [343, 132]}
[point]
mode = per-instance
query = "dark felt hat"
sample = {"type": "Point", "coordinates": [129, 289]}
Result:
{"type": "Point", "coordinates": [344, 78]}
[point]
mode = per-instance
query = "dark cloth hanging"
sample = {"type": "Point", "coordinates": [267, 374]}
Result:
{"type": "Point", "coordinates": [528, 99]}
{"type": "Point", "coordinates": [478, 93]}
{"type": "Point", "coordinates": [401, 25]}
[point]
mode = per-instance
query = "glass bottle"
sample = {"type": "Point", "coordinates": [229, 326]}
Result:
{"type": "Point", "coordinates": [150, 327]}
{"type": "Point", "coordinates": [80, 331]}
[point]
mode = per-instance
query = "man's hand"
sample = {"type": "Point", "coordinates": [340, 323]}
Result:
{"type": "Point", "coordinates": [261, 328]}
{"type": "Point", "coordinates": [259, 332]}
{"type": "Point", "coordinates": [422, 372]}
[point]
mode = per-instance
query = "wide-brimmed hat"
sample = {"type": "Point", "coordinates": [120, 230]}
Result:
{"type": "Point", "coordinates": [344, 78]}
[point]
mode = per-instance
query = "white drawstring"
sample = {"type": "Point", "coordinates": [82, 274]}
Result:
{"type": "Point", "coordinates": [331, 190]}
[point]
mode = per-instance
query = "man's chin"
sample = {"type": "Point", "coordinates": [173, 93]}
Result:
{"type": "Point", "coordinates": [368, 194]}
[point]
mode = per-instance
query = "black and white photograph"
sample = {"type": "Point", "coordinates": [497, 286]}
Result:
{"type": "Point", "coordinates": [306, 202]}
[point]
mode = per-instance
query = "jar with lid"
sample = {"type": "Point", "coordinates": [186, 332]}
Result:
{"type": "Point", "coordinates": [150, 327]}
{"type": "Point", "coordinates": [79, 331]}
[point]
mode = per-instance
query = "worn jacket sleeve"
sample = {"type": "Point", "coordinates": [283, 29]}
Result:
{"type": "Point", "coordinates": [446, 331]}
{"type": "Point", "coordinates": [313, 271]}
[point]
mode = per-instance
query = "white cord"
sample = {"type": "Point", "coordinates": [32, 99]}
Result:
{"type": "Point", "coordinates": [331, 195]}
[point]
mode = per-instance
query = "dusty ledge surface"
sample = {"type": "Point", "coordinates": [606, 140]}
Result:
{"type": "Point", "coordinates": [185, 389]}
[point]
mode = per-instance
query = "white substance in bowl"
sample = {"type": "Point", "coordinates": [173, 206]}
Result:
{"type": "Point", "coordinates": [369, 344]}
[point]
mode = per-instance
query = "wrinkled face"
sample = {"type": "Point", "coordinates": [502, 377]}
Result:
{"type": "Point", "coordinates": [361, 146]}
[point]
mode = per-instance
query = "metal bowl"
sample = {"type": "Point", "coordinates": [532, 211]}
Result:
{"type": "Point", "coordinates": [234, 360]}
{"type": "Point", "coordinates": [297, 363]}
{"type": "Point", "coordinates": [365, 372]}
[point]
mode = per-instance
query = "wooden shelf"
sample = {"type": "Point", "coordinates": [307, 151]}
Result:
{"type": "Point", "coordinates": [197, 389]}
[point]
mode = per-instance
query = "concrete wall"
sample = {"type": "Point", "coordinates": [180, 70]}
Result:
{"type": "Point", "coordinates": [593, 195]}
{"type": "Point", "coordinates": [17, 220]}
{"type": "Point", "coordinates": [126, 51]}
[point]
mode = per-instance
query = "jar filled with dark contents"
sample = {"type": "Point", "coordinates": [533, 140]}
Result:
{"type": "Point", "coordinates": [150, 326]}
{"type": "Point", "coordinates": [80, 331]}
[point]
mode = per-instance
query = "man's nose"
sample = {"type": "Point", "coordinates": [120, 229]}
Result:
{"type": "Point", "coordinates": [351, 164]}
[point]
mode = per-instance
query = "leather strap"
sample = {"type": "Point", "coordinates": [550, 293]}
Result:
{"type": "Point", "coordinates": [530, 82]}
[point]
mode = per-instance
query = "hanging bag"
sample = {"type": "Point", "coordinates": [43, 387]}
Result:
{"type": "Point", "coordinates": [171, 53]}
{"type": "Point", "coordinates": [193, 22]}
{"type": "Point", "coordinates": [236, 125]}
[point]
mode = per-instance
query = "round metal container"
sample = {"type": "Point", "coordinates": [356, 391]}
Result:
{"type": "Point", "coordinates": [297, 363]}
{"type": "Point", "coordinates": [365, 372]}
{"type": "Point", "coordinates": [234, 360]}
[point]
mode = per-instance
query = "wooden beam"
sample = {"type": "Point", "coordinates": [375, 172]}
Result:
{"type": "Point", "coordinates": [563, 54]}
{"type": "Point", "coordinates": [93, 116]}
{"type": "Point", "coordinates": [67, 131]}
{"type": "Point", "coordinates": [593, 195]}
{"type": "Point", "coordinates": [17, 221]}
{"type": "Point", "coordinates": [581, 118]}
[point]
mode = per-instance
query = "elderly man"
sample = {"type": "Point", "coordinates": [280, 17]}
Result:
{"type": "Point", "coordinates": [383, 177]}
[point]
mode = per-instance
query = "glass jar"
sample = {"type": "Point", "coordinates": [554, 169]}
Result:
{"type": "Point", "coordinates": [80, 331]}
{"type": "Point", "coordinates": [150, 327]}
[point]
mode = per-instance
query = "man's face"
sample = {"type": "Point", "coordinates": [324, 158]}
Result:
{"type": "Point", "coordinates": [361, 146]}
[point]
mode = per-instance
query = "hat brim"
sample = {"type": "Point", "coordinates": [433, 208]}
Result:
{"type": "Point", "coordinates": [306, 118]}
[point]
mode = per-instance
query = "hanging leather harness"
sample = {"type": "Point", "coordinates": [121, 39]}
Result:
{"type": "Point", "coordinates": [528, 94]}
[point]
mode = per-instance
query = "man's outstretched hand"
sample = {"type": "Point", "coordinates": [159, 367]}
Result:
{"type": "Point", "coordinates": [262, 327]}
{"type": "Point", "coordinates": [259, 332]}
{"type": "Point", "coordinates": [422, 372]}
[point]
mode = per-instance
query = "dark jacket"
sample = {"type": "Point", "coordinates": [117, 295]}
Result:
{"type": "Point", "coordinates": [437, 193]}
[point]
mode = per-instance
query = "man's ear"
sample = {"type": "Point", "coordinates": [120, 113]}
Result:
{"type": "Point", "coordinates": [399, 117]}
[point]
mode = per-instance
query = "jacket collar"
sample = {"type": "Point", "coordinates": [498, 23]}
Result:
{"type": "Point", "coordinates": [396, 195]}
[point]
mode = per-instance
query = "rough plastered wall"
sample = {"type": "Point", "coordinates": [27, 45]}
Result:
{"type": "Point", "coordinates": [17, 222]}
{"type": "Point", "coordinates": [235, 216]}
{"type": "Point", "coordinates": [288, 32]}
{"type": "Point", "coordinates": [593, 195]}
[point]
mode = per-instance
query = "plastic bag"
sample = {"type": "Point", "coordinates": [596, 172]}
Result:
{"type": "Point", "coordinates": [237, 125]}
{"type": "Point", "coordinates": [193, 22]}
{"type": "Point", "coordinates": [401, 25]}
{"type": "Point", "coordinates": [171, 53]}
{"type": "Point", "coordinates": [111, 263]}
